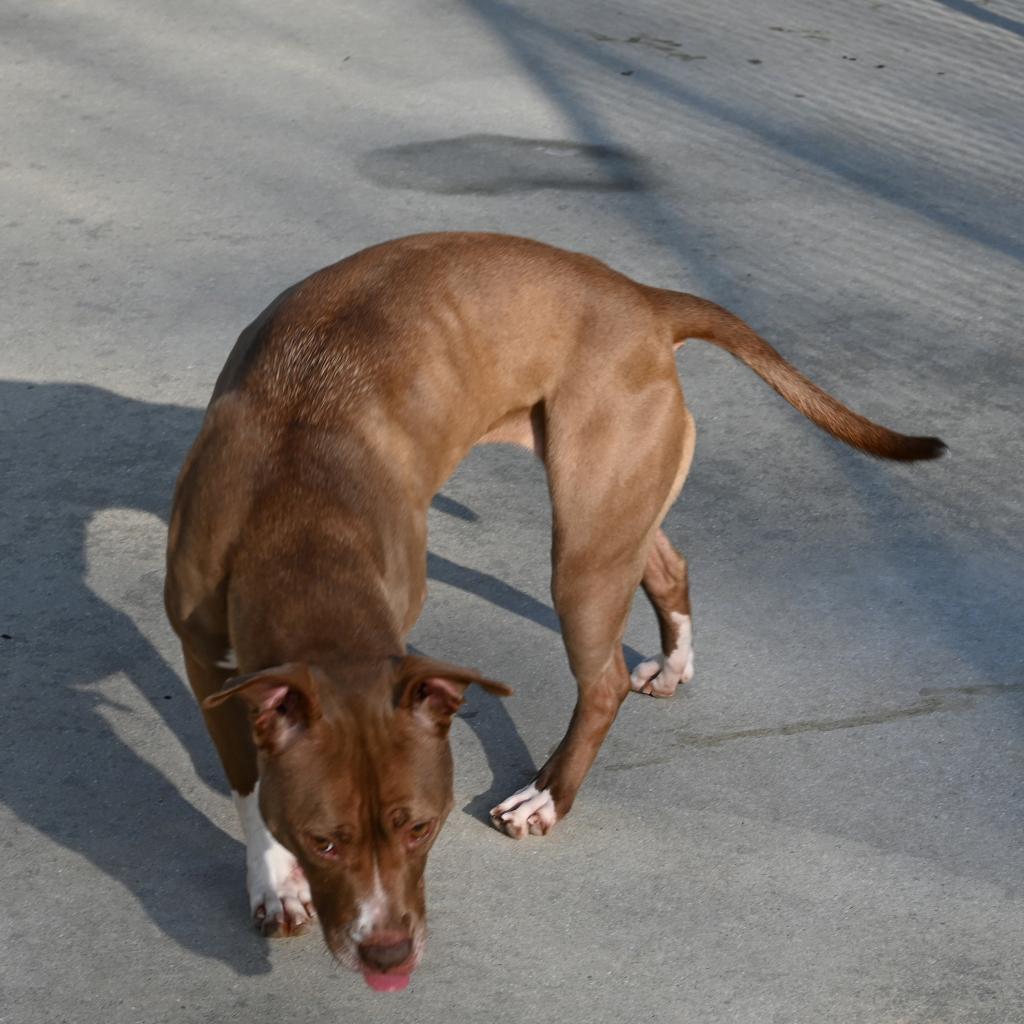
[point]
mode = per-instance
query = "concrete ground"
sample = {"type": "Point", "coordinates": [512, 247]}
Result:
{"type": "Point", "coordinates": [827, 825]}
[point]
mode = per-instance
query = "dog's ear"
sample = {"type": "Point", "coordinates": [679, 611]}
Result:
{"type": "Point", "coordinates": [283, 703]}
{"type": "Point", "coordinates": [432, 691]}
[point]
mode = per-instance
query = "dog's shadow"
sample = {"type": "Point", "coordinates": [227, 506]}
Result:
{"type": "Point", "coordinates": [508, 757]}
{"type": "Point", "coordinates": [71, 452]}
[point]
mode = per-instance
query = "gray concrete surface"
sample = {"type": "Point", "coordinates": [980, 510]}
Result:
{"type": "Point", "coordinates": [827, 826]}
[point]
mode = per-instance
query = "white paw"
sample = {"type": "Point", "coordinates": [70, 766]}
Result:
{"type": "Point", "coordinates": [279, 895]}
{"type": "Point", "coordinates": [661, 676]}
{"type": "Point", "coordinates": [658, 678]}
{"type": "Point", "coordinates": [531, 810]}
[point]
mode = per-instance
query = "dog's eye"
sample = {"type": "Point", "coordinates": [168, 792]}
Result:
{"type": "Point", "coordinates": [324, 847]}
{"type": "Point", "coordinates": [420, 830]}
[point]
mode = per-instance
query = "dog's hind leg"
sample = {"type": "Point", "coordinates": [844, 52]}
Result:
{"type": "Point", "coordinates": [666, 584]}
{"type": "Point", "coordinates": [613, 470]}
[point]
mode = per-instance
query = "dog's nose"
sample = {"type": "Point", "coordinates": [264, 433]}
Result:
{"type": "Point", "coordinates": [382, 956]}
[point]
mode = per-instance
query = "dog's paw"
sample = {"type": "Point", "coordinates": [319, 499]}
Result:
{"type": "Point", "coordinates": [279, 896]}
{"type": "Point", "coordinates": [661, 676]}
{"type": "Point", "coordinates": [530, 811]}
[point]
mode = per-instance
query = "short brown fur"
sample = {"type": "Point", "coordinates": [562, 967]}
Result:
{"type": "Point", "coordinates": [298, 535]}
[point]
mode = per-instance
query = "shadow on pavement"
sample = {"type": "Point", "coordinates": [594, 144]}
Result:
{"type": "Point", "coordinates": [72, 451]}
{"type": "Point", "coordinates": [501, 164]}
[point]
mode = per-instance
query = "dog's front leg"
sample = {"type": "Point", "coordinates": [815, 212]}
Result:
{"type": "Point", "coordinates": [536, 808]}
{"type": "Point", "coordinates": [613, 470]}
{"type": "Point", "coordinates": [279, 897]}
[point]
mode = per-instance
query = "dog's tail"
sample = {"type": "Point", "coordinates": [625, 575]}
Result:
{"type": "Point", "coordinates": [694, 317]}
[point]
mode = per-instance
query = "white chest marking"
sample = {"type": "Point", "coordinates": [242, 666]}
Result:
{"type": "Point", "coordinates": [229, 661]}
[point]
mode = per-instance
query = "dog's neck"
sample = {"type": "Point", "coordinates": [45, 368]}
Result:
{"type": "Point", "coordinates": [331, 605]}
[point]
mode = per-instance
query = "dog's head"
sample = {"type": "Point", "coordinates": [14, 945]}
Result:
{"type": "Point", "coordinates": [356, 781]}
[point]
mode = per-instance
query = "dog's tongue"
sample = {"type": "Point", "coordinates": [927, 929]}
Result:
{"type": "Point", "coordinates": [386, 982]}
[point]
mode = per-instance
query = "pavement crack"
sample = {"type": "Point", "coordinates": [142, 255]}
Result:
{"type": "Point", "coordinates": [933, 700]}
{"type": "Point", "coordinates": [929, 705]}
{"type": "Point", "coordinates": [984, 689]}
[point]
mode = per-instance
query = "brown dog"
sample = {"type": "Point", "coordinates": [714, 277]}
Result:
{"type": "Point", "coordinates": [297, 552]}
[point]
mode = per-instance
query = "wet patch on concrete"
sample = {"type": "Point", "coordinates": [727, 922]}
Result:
{"type": "Point", "coordinates": [501, 164]}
